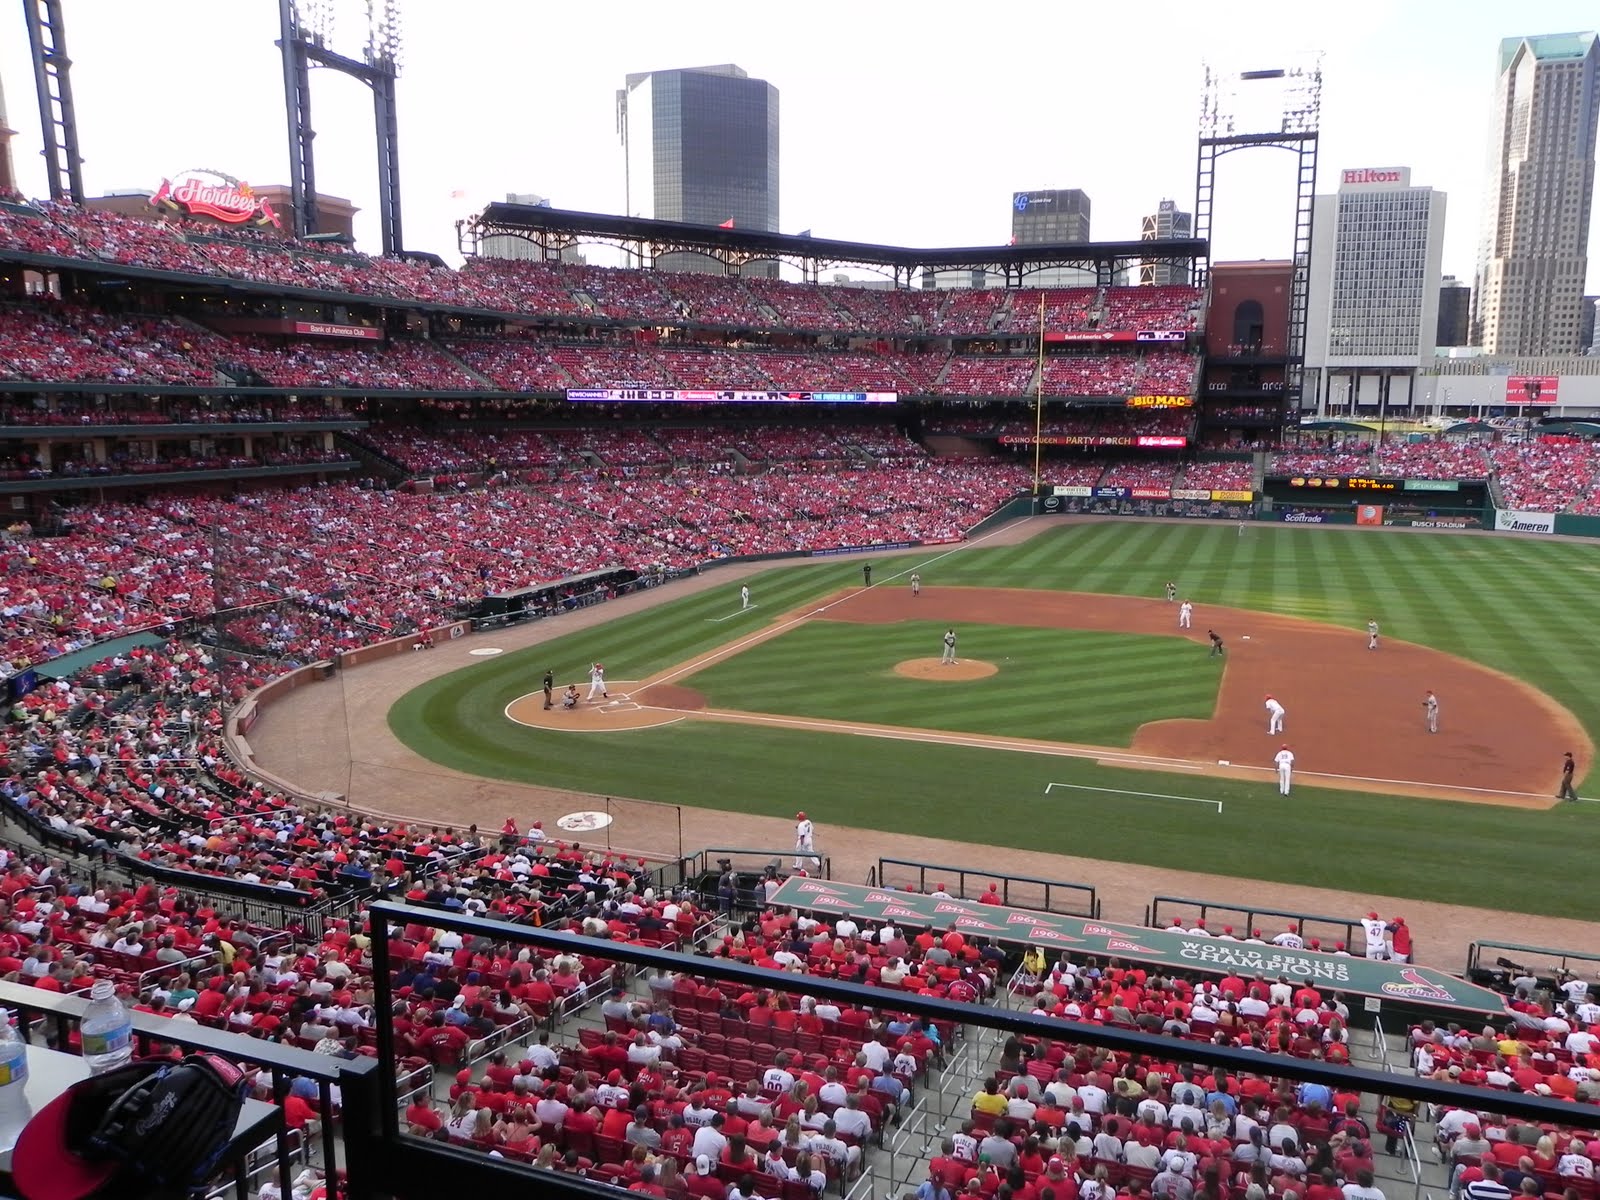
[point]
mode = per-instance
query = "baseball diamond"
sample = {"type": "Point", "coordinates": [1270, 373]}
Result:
{"type": "Point", "coordinates": [1447, 603]}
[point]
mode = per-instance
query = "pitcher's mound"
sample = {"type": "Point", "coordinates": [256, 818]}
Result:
{"type": "Point", "coordinates": [932, 668]}
{"type": "Point", "coordinates": [622, 711]}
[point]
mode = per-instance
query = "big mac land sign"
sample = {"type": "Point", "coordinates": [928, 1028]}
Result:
{"type": "Point", "coordinates": [213, 194]}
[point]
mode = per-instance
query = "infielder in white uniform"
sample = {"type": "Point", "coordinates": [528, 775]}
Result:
{"type": "Point", "coordinates": [1185, 614]}
{"type": "Point", "coordinates": [1430, 712]}
{"type": "Point", "coordinates": [597, 681]}
{"type": "Point", "coordinates": [744, 597]}
{"type": "Point", "coordinates": [1372, 635]}
{"type": "Point", "coordinates": [804, 833]}
{"type": "Point", "coordinates": [916, 584]}
{"type": "Point", "coordinates": [949, 655]}
{"type": "Point", "coordinates": [1285, 760]}
{"type": "Point", "coordinates": [1274, 716]}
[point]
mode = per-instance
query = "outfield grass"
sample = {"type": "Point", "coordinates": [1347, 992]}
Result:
{"type": "Point", "coordinates": [1045, 687]}
{"type": "Point", "coordinates": [1521, 605]}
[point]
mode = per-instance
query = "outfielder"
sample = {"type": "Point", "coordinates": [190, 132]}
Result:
{"type": "Point", "coordinates": [1274, 716]}
{"type": "Point", "coordinates": [1372, 635]}
{"type": "Point", "coordinates": [1185, 614]}
{"type": "Point", "coordinates": [744, 597]}
{"type": "Point", "coordinates": [1430, 712]}
{"type": "Point", "coordinates": [804, 839]}
{"type": "Point", "coordinates": [1172, 591]}
{"type": "Point", "coordinates": [916, 584]}
{"type": "Point", "coordinates": [597, 681]}
{"type": "Point", "coordinates": [949, 655]}
{"type": "Point", "coordinates": [1285, 760]}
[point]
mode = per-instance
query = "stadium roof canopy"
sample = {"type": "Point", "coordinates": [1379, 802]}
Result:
{"type": "Point", "coordinates": [556, 229]}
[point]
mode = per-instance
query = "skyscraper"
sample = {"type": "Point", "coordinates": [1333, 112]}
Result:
{"type": "Point", "coordinates": [8, 174]}
{"type": "Point", "coordinates": [1534, 251]}
{"type": "Point", "coordinates": [701, 145]}
{"type": "Point", "coordinates": [1455, 312]}
{"type": "Point", "coordinates": [1163, 225]}
{"type": "Point", "coordinates": [1376, 251]}
{"type": "Point", "coordinates": [1050, 217]}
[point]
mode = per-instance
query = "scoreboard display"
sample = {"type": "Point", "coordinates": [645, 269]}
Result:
{"type": "Point", "coordinates": [647, 395]}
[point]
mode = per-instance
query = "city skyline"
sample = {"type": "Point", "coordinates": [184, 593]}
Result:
{"type": "Point", "coordinates": [851, 163]}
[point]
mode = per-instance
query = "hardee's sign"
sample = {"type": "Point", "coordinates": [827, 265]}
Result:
{"type": "Point", "coordinates": [219, 196]}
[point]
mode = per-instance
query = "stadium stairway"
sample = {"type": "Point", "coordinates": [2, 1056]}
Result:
{"type": "Point", "coordinates": [489, 385]}
{"type": "Point", "coordinates": [379, 464]}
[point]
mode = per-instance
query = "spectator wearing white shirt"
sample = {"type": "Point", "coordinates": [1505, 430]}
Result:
{"type": "Point", "coordinates": [852, 1121]}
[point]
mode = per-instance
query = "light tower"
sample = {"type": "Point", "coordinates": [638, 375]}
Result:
{"type": "Point", "coordinates": [306, 40]}
{"type": "Point", "coordinates": [1280, 109]}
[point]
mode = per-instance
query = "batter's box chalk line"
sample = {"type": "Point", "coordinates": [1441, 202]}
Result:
{"type": "Point", "coordinates": [1084, 787]}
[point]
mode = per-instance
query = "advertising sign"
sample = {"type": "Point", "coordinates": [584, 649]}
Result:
{"type": "Point", "coordinates": [1110, 493]}
{"type": "Point", "coordinates": [1369, 514]}
{"type": "Point", "coordinates": [628, 395]}
{"type": "Point", "coordinates": [327, 330]}
{"type": "Point", "coordinates": [1160, 401]}
{"type": "Point", "coordinates": [1235, 497]}
{"type": "Point", "coordinates": [1512, 520]}
{"type": "Point", "coordinates": [1145, 441]}
{"type": "Point", "coordinates": [1089, 335]}
{"type": "Point", "coordinates": [1151, 493]}
{"type": "Point", "coordinates": [1433, 485]}
{"type": "Point", "coordinates": [1191, 494]}
{"type": "Point", "coordinates": [1065, 489]}
{"type": "Point", "coordinates": [1532, 389]}
{"type": "Point", "coordinates": [213, 194]}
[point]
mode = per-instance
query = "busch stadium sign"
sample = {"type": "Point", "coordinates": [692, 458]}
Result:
{"type": "Point", "coordinates": [213, 194]}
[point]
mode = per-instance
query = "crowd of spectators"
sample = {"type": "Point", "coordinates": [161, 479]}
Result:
{"type": "Point", "coordinates": [1548, 475]}
{"type": "Point", "coordinates": [1437, 458]}
{"type": "Point", "coordinates": [1218, 476]}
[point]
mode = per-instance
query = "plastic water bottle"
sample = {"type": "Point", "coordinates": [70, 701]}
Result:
{"type": "Point", "coordinates": [14, 1107]}
{"type": "Point", "coordinates": [106, 1029]}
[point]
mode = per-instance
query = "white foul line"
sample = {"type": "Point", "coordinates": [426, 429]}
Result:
{"type": "Point", "coordinates": [1083, 787]}
{"type": "Point", "coordinates": [732, 615]}
{"type": "Point", "coordinates": [732, 648]}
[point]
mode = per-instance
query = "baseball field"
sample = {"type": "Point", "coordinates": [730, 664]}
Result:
{"type": "Point", "coordinates": [1080, 719]}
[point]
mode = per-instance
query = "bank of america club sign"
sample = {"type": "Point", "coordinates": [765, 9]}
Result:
{"type": "Point", "coordinates": [213, 194]}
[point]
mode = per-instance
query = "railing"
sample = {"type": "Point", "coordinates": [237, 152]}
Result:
{"type": "Point", "coordinates": [1016, 891]}
{"type": "Point", "coordinates": [750, 865]}
{"type": "Point", "coordinates": [1500, 974]}
{"type": "Point", "coordinates": [1245, 918]}
{"type": "Point", "coordinates": [54, 1016]}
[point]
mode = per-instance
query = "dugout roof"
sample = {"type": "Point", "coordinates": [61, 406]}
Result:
{"type": "Point", "coordinates": [1078, 936]}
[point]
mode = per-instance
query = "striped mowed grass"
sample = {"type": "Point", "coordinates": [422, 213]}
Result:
{"type": "Point", "coordinates": [1521, 605]}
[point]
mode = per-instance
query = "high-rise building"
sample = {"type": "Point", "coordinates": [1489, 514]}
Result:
{"type": "Point", "coordinates": [8, 174]}
{"type": "Point", "coordinates": [701, 146]}
{"type": "Point", "coordinates": [1051, 217]}
{"type": "Point", "coordinates": [1534, 252]}
{"type": "Point", "coordinates": [1587, 325]}
{"type": "Point", "coordinates": [507, 246]}
{"type": "Point", "coordinates": [1164, 225]}
{"type": "Point", "coordinates": [1376, 251]}
{"type": "Point", "coordinates": [1455, 312]}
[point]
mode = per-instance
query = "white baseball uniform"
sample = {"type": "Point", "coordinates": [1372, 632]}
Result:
{"type": "Point", "coordinates": [949, 655]}
{"type": "Point", "coordinates": [1185, 614]}
{"type": "Point", "coordinates": [1372, 635]}
{"type": "Point", "coordinates": [916, 584]}
{"type": "Point", "coordinates": [1274, 716]}
{"type": "Point", "coordinates": [804, 834]}
{"type": "Point", "coordinates": [1285, 760]}
{"type": "Point", "coordinates": [597, 681]}
{"type": "Point", "coordinates": [1377, 937]}
{"type": "Point", "coordinates": [744, 597]}
{"type": "Point", "coordinates": [1430, 712]}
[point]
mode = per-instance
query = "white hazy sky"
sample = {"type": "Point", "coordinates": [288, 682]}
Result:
{"type": "Point", "coordinates": [901, 123]}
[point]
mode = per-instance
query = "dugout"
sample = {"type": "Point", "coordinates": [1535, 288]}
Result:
{"type": "Point", "coordinates": [575, 591]}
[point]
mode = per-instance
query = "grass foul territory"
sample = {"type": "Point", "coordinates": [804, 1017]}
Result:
{"type": "Point", "coordinates": [1519, 605]}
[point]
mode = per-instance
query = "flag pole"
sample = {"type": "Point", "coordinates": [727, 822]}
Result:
{"type": "Point", "coordinates": [1038, 400]}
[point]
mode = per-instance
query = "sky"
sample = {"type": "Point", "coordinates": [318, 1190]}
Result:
{"type": "Point", "coordinates": [910, 124]}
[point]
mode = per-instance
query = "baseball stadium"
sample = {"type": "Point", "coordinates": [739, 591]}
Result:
{"type": "Point", "coordinates": [727, 735]}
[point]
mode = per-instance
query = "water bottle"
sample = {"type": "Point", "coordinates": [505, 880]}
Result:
{"type": "Point", "coordinates": [14, 1107]}
{"type": "Point", "coordinates": [106, 1029]}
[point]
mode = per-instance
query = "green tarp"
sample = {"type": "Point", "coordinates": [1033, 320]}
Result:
{"type": "Point", "coordinates": [69, 665]}
{"type": "Point", "coordinates": [1077, 936]}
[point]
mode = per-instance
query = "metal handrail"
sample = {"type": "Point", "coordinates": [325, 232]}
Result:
{"type": "Point", "coordinates": [1085, 892]}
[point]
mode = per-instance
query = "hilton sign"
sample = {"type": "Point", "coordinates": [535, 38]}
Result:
{"type": "Point", "coordinates": [212, 194]}
{"type": "Point", "coordinates": [1400, 176]}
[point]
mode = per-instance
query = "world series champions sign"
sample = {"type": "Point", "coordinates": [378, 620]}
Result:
{"type": "Point", "coordinates": [1079, 937]}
